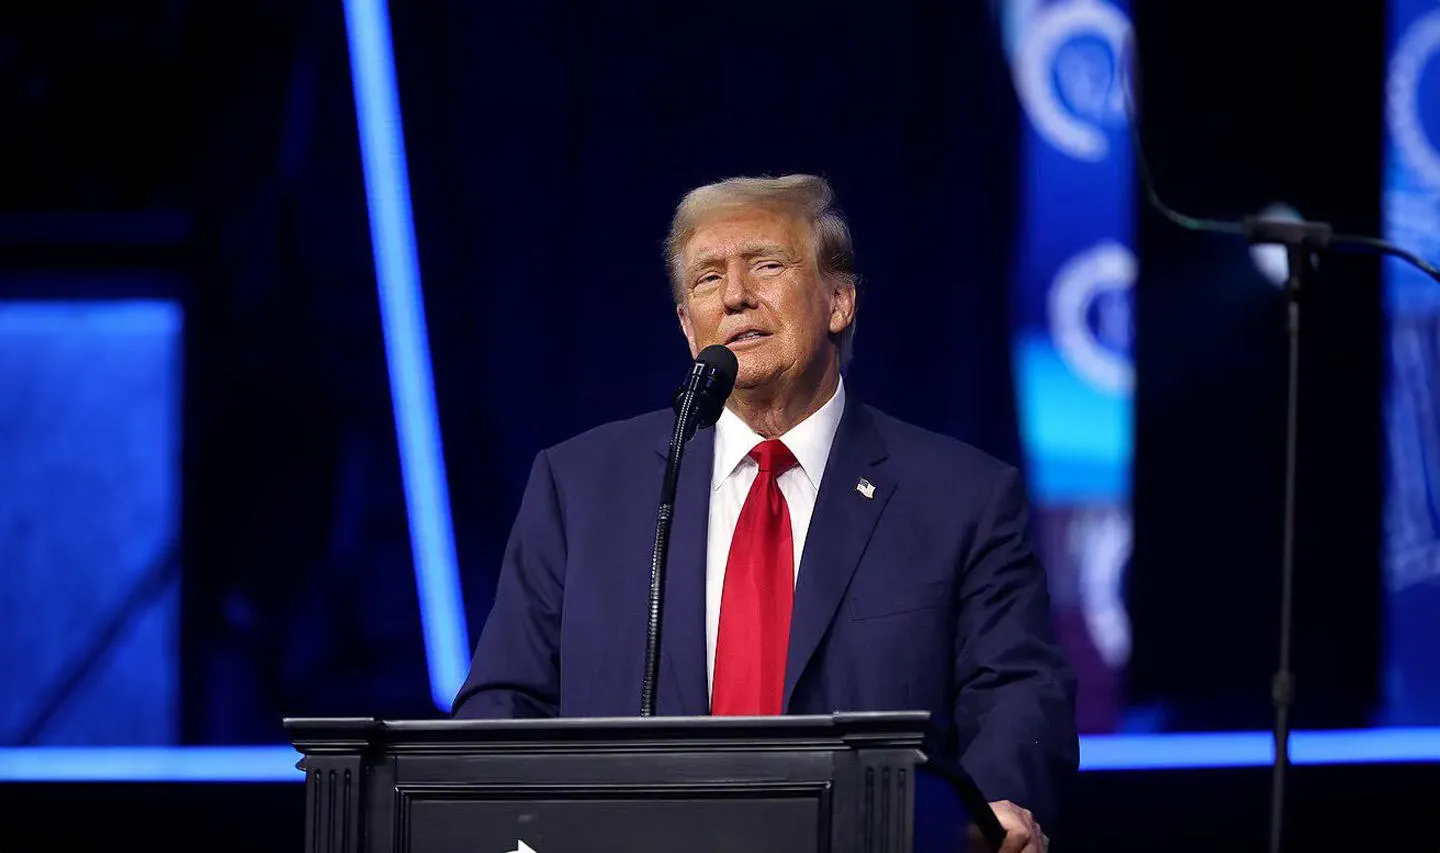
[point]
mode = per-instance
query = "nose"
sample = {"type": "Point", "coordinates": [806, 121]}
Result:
{"type": "Point", "coordinates": [736, 294]}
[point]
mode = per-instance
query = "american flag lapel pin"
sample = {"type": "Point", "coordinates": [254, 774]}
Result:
{"type": "Point", "coordinates": [866, 488]}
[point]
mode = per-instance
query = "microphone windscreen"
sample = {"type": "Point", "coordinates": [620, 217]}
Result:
{"type": "Point", "coordinates": [722, 359]}
{"type": "Point", "coordinates": [712, 378]}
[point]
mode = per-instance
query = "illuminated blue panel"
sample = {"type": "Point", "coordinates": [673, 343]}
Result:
{"type": "Point", "coordinates": [1076, 270]}
{"type": "Point", "coordinates": [1255, 749]}
{"type": "Point", "coordinates": [151, 764]}
{"type": "Point", "coordinates": [89, 515]}
{"type": "Point", "coordinates": [1078, 436]}
{"type": "Point", "coordinates": [1378, 746]}
{"type": "Point", "coordinates": [1097, 752]}
{"type": "Point", "coordinates": [407, 351]}
{"type": "Point", "coordinates": [1175, 751]}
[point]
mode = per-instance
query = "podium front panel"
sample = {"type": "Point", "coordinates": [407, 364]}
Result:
{"type": "Point", "coordinates": [598, 800]}
{"type": "Point", "coordinates": [709, 819]}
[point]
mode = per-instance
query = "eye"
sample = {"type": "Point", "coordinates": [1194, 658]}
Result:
{"type": "Point", "coordinates": [707, 278]}
{"type": "Point", "coordinates": [769, 266]}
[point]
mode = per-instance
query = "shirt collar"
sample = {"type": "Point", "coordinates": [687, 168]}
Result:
{"type": "Point", "coordinates": [809, 440]}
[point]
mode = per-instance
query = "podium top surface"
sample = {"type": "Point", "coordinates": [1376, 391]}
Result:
{"type": "Point", "coordinates": [873, 729]}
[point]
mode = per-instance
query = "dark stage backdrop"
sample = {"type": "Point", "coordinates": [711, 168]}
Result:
{"type": "Point", "coordinates": [547, 148]}
{"type": "Point", "coordinates": [547, 145]}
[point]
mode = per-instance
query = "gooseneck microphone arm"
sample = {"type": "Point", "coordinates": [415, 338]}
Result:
{"type": "Point", "coordinates": [697, 403]}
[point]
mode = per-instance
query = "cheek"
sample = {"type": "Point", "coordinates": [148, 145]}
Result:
{"type": "Point", "coordinates": [703, 317]}
{"type": "Point", "coordinates": [816, 312]}
{"type": "Point", "coordinates": [801, 306]}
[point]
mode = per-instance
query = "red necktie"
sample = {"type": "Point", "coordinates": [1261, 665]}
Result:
{"type": "Point", "coordinates": [759, 593]}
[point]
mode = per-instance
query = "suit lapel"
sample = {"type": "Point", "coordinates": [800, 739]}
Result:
{"type": "Point", "coordinates": [840, 528]}
{"type": "Point", "coordinates": [682, 638]}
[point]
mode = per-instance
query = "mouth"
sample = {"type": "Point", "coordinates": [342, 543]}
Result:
{"type": "Point", "coordinates": [746, 336]}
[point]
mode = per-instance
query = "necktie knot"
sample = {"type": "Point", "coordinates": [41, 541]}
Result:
{"type": "Point", "coordinates": [772, 455]}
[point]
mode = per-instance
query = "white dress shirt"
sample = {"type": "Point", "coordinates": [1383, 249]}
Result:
{"type": "Point", "coordinates": [730, 483]}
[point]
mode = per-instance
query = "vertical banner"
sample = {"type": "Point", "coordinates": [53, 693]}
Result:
{"type": "Point", "coordinates": [1072, 323]}
{"type": "Point", "coordinates": [1412, 397]}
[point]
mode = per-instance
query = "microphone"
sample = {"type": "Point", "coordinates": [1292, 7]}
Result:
{"type": "Point", "coordinates": [698, 403]}
{"type": "Point", "coordinates": [706, 389]}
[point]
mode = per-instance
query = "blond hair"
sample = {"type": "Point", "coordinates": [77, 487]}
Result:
{"type": "Point", "coordinates": [805, 196]}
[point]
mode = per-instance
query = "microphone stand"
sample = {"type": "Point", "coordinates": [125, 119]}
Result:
{"type": "Point", "coordinates": [686, 412]}
{"type": "Point", "coordinates": [1300, 239]}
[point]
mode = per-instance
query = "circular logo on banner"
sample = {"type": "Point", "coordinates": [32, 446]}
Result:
{"type": "Point", "coordinates": [1403, 97]}
{"type": "Point", "coordinates": [1068, 75]}
{"type": "Point", "coordinates": [1090, 316]}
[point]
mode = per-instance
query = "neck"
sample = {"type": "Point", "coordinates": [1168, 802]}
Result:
{"type": "Point", "coordinates": [773, 412]}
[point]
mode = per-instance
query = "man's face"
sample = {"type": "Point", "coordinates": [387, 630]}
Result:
{"type": "Point", "coordinates": [750, 281]}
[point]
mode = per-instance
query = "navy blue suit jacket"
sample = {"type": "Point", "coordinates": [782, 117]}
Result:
{"type": "Point", "coordinates": [926, 596]}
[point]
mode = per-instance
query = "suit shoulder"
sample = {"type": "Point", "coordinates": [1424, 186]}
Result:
{"type": "Point", "coordinates": [642, 431]}
{"type": "Point", "coordinates": [937, 451]}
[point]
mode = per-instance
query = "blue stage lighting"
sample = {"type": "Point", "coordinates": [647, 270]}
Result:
{"type": "Point", "coordinates": [150, 764]}
{"type": "Point", "coordinates": [1097, 753]}
{"type": "Point", "coordinates": [1256, 749]}
{"type": "Point", "coordinates": [407, 351]}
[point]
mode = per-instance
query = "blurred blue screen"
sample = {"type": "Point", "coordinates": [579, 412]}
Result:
{"type": "Point", "coordinates": [1412, 401]}
{"type": "Point", "coordinates": [89, 517]}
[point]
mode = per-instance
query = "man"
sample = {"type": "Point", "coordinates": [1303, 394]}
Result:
{"type": "Point", "coordinates": [824, 556]}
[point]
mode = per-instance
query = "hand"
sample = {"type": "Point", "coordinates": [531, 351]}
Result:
{"type": "Point", "coordinates": [1022, 833]}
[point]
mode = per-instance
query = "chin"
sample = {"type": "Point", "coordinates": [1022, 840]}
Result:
{"type": "Point", "coordinates": [755, 377]}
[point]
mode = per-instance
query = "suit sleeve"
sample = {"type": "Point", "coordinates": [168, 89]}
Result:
{"type": "Point", "coordinates": [516, 669]}
{"type": "Point", "coordinates": [1015, 703]}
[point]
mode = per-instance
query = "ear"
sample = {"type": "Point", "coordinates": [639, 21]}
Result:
{"type": "Point", "coordinates": [687, 328]}
{"type": "Point", "coordinates": [842, 307]}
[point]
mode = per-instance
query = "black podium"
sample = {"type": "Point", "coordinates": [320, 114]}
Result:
{"type": "Point", "coordinates": [846, 783]}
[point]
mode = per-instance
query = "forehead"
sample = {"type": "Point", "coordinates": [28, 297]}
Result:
{"type": "Point", "coordinates": [740, 230]}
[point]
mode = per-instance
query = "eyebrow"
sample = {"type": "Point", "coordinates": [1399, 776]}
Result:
{"type": "Point", "coordinates": [746, 250]}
